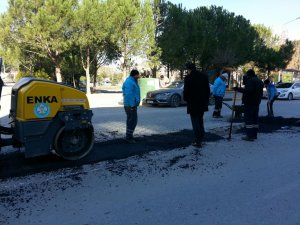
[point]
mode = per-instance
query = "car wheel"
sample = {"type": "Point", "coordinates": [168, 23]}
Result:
{"type": "Point", "coordinates": [290, 96]}
{"type": "Point", "coordinates": [175, 101]}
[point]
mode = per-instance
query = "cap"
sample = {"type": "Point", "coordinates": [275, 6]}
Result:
{"type": "Point", "coordinates": [225, 75]}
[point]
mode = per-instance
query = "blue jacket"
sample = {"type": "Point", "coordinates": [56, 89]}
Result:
{"type": "Point", "coordinates": [131, 92]}
{"type": "Point", "coordinates": [272, 91]}
{"type": "Point", "coordinates": [219, 87]}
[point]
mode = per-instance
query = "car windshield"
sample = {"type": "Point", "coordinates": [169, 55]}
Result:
{"type": "Point", "coordinates": [284, 85]}
{"type": "Point", "coordinates": [176, 84]}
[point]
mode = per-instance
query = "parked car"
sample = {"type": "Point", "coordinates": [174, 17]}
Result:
{"type": "Point", "coordinates": [289, 90]}
{"type": "Point", "coordinates": [172, 95]}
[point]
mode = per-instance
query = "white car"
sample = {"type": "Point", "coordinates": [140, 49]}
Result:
{"type": "Point", "coordinates": [288, 91]}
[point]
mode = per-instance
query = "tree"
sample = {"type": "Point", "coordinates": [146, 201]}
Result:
{"type": "Point", "coordinates": [206, 36]}
{"type": "Point", "coordinates": [172, 39]}
{"type": "Point", "coordinates": [295, 61]}
{"type": "Point", "coordinates": [270, 54]}
{"type": "Point", "coordinates": [92, 22]}
{"type": "Point", "coordinates": [159, 8]}
{"type": "Point", "coordinates": [42, 26]}
{"type": "Point", "coordinates": [133, 29]}
{"type": "Point", "coordinates": [72, 66]}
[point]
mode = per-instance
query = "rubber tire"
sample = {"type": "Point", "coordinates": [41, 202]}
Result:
{"type": "Point", "coordinates": [290, 96]}
{"type": "Point", "coordinates": [84, 139]}
{"type": "Point", "coordinates": [175, 101]}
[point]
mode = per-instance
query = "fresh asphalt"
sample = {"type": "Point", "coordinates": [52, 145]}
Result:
{"type": "Point", "coordinates": [15, 164]}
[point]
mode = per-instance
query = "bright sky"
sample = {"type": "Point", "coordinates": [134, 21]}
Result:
{"type": "Point", "coordinates": [272, 13]}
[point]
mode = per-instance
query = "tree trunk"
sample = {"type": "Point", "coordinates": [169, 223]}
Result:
{"type": "Point", "coordinates": [95, 75]}
{"type": "Point", "coordinates": [154, 71]}
{"type": "Point", "coordinates": [87, 72]}
{"type": "Point", "coordinates": [168, 71]}
{"type": "Point", "coordinates": [268, 74]}
{"type": "Point", "coordinates": [124, 66]}
{"type": "Point", "coordinates": [58, 73]}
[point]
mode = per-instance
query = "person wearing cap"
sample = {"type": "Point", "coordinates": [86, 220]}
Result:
{"type": "Point", "coordinates": [218, 92]}
{"type": "Point", "coordinates": [196, 93]}
{"type": "Point", "coordinates": [272, 96]}
{"type": "Point", "coordinates": [132, 97]}
{"type": "Point", "coordinates": [252, 94]}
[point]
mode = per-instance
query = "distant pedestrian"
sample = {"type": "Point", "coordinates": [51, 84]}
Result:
{"type": "Point", "coordinates": [272, 96]}
{"type": "Point", "coordinates": [1, 81]}
{"type": "Point", "coordinates": [1, 86]}
{"type": "Point", "coordinates": [252, 94]}
{"type": "Point", "coordinates": [218, 92]}
{"type": "Point", "coordinates": [196, 93]}
{"type": "Point", "coordinates": [164, 81]}
{"type": "Point", "coordinates": [131, 99]}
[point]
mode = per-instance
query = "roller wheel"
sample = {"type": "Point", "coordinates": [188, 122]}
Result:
{"type": "Point", "coordinates": [74, 144]}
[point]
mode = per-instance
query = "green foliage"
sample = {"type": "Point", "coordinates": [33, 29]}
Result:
{"type": "Point", "coordinates": [67, 38]}
{"type": "Point", "coordinates": [116, 78]}
{"type": "Point", "coordinates": [206, 36]}
{"type": "Point", "coordinates": [270, 53]}
{"type": "Point", "coordinates": [22, 74]}
{"type": "Point", "coordinates": [134, 28]}
{"type": "Point", "coordinates": [40, 27]}
{"type": "Point", "coordinates": [172, 39]}
{"type": "Point", "coordinates": [42, 75]}
{"type": "Point", "coordinates": [38, 74]}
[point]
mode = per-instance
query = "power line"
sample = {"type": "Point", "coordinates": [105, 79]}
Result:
{"type": "Point", "coordinates": [292, 20]}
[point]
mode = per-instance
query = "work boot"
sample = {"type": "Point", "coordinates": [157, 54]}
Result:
{"type": "Point", "coordinates": [197, 144]}
{"type": "Point", "coordinates": [218, 115]}
{"type": "Point", "coordinates": [246, 138]}
{"type": "Point", "coordinates": [215, 114]}
{"type": "Point", "coordinates": [130, 140]}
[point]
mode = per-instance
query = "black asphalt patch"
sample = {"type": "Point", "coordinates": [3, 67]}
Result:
{"type": "Point", "coordinates": [14, 164]}
{"type": "Point", "coordinates": [273, 124]}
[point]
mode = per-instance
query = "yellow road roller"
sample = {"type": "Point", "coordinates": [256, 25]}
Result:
{"type": "Point", "coordinates": [47, 116]}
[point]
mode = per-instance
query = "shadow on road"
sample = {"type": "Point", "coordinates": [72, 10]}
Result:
{"type": "Point", "coordinates": [14, 164]}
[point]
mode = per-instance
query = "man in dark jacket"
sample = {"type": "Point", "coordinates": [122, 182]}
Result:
{"type": "Point", "coordinates": [196, 93]}
{"type": "Point", "coordinates": [252, 94]}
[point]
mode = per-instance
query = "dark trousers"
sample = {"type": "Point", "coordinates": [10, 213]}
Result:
{"type": "Point", "coordinates": [131, 121]}
{"type": "Point", "coordinates": [270, 106]}
{"type": "Point", "coordinates": [198, 126]}
{"type": "Point", "coordinates": [218, 105]}
{"type": "Point", "coordinates": [251, 120]}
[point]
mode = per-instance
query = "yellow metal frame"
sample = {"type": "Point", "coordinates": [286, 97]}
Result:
{"type": "Point", "coordinates": [42, 100]}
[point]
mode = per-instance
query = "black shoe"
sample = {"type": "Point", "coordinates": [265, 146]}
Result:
{"type": "Point", "coordinates": [246, 138]}
{"type": "Point", "coordinates": [215, 114]}
{"type": "Point", "coordinates": [218, 116]}
{"type": "Point", "coordinates": [130, 140]}
{"type": "Point", "coordinates": [197, 144]}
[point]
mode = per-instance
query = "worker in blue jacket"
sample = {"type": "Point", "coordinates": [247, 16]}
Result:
{"type": "Point", "coordinates": [131, 99]}
{"type": "Point", "coordinates": [272, 96]}
{"type": "Point", "coordinates": [218, 92]}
